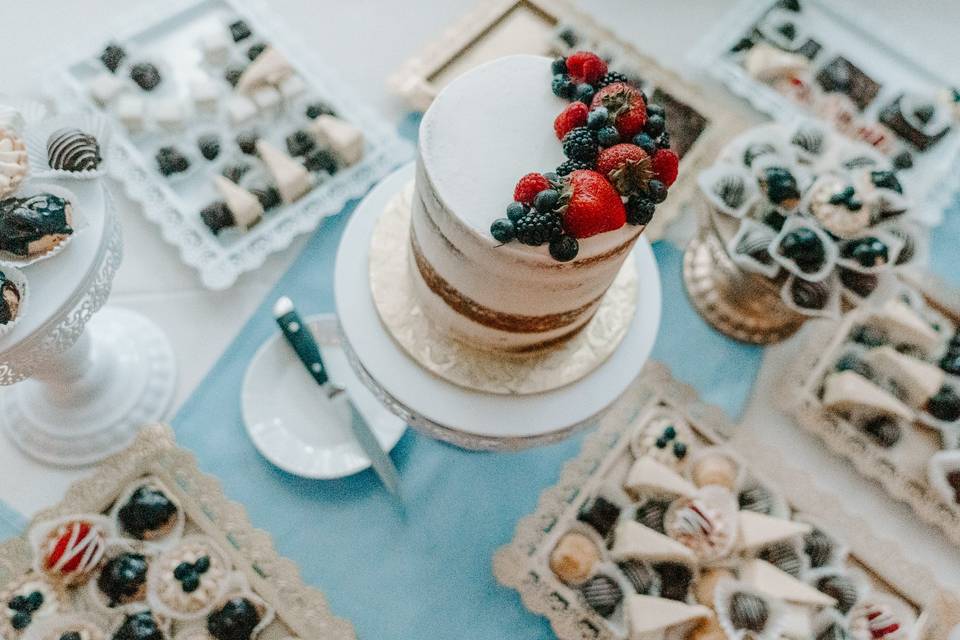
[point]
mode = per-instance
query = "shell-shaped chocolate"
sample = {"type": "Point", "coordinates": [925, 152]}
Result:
{"type": "Point", "coordinates": [675, 580]}
{"type": "Point", "coordinates": [603, 594]}
{"type": "Point", "coordinates": [784, 557]}
{"type": "Point", "coordinates": [841, 588]}
{"type": "Point", "coordinates": [641, 576]}
{"type": "Point", "coordinates": [757, 499]}
{"type": "Point", "coordinates": [819, 548]}
{"type": "Point", "coordinates": [651, 514]}
{"type": "Point", "coordinates": [70, 149]}
{"type": "Point", "coordinates": [749, 611]}
{"type": "Point", "coordinates": [731, 189]}
{"type": "Point", "coordinates": [814, 296]}
{"type": "Point", "coordinates": [756, 150]}
{"type": "Point", "coordinates": [756, 244]}
{"type": "Point", "coordinates": [809, 139]}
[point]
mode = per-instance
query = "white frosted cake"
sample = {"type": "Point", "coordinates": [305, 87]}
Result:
{"type": "Point", "coordinates": [486, 129]}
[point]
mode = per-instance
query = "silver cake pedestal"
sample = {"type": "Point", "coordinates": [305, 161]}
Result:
{"type": "Point", "coordinates": [464, 417]}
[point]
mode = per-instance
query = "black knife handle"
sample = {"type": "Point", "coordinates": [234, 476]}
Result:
{"type": "Point", "coordinates": [300, 337]}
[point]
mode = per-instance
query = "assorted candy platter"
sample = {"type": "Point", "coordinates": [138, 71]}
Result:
{"type": "Point", "coordinates": [657, 530]}
{"type": "Point", "coordinates": [806, 56]}
{"type": "Point", "coordinates": [229, 134]}
{"type": "Point", "coordinates": [149, 549]}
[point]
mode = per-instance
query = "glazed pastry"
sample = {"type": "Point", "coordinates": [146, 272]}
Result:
{"type": "Point", "coordinates": [142, 625]}
{"type": "Point", "coordinates": [834, 203]}
{"type": "Point", "coordinates": [13, 161]}
{"type": "Point", "coordinates": [24, 602]}
{"type": "Point", "coordinates": [345, 139]}
{"type": "Point", "coordinates": [715, 468]}
{"type": "Point", "coordinates": [633, 541]}
{"type": "Point", "coordinates": [602, 594]}
{"type": "Point", "coordinates": [186, 581]}
{"type": "Point", "coordinates": [848, 392]}
{"type": "Point", "coordinates": [71, 149]}
{"type": "Point", "coordinates": [237, 619]}
{"type": "Point", "coordinates": [767, 579]}
{"type": "Point", "coordinates": [148, 514]}
{"type": "Point", "coordinates": [599, 513]}
{"type": "Point", "coordinates": [292, 179]}
{"type": "Point", "coordinates": [270, 68]}
{"type": "Point", "coordinates": [123, 579]}
{"type": "Point", "coordinates": [647, 616]}
{"type": "Point", "coordinates": [70, 550]}
{"type": "Point", "coordinates": [10, 299]}
{"type": "Point", "coordinates": [649, 478]}
{"type": "Point", "coordinates": [758, 530]}
{"type": "Point", "coordinates": [918, 120]}
{"type": "Point", "coordinates": [574, 557]}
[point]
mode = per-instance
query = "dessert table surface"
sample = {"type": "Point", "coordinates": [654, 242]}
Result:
{"type": "Point", "coordinates": [426, 566]}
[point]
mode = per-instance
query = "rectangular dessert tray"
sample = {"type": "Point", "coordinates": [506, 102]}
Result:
{"type": "Point", "coordinates": [911, 453]}
{"type": "Point", "coordinates": [296, 611]}
{"type": "Point", "coordinates": [698, 127]}
{"type": "Point", "coordinates": [830, 544]}
{"type": "Point", "coordinates": [816, 58]}
{"type": "Point", "coordinates": [176, 39]}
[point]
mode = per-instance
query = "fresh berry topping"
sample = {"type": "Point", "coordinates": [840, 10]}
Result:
{"type": "Point", "coordinates": [584, 93]}
{"type": "Point", "coordinates": [666, 165]}
{"type": "Point", "coordinates": [655, 126]}
{"type": "Point", "coordinates": [579, 144]}
{"type": "Point", "coordinates": [528, 187]}
{"type": "Point", "coordinates": [804, 247]}
{"type": "Point", "coordinates": [608, 136]}
{"type": "Point", "coordinates": [597, 118]}
{"type": "Point", "coordinates": [563, 86]}
{"type": "Point", "coordinates": [569, 166]}
{"type": "Point", "coordinates": [611, 77]}
{"type": "Point", "coordinates": [593, 205]}
{"type": "Point", "coordinates": [640, 210]}
{"type": "Point", "coordinates": [536, 228]}
{"type": "Point", "coordinates": [559, 65]}
{"type": "Point", "coordinates": [564, 248]}
{"type": "Point", "coordinates": [516, 210]}
{"type": "Point", "coordinates": [627, 167]}
{"type": "Point", "coordinates": [868, 252]}
{"type": "Point", "coordinates": [552, 178]}
{"type": "Point", "coordinates": [645, 142]}
{"type": "Point", "coordinates": [546, 200]}
{"type": "Point", "coordinates": [663, 142]}
{"type": "Point", "coordinates": [657, 191]}
{"type": "Point", "coordinates": [656, 110]}
{"type": "Point", "coordinates": [584, 66]}
{"type": "Point", "coordinates": [626, 105]}
{"type": "Point", "coordinates": [575, 115]}
{"type": "Point", "coordinates": [502, 230]}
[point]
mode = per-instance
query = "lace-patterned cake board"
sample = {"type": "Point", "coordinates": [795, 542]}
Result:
{"type": "Point", "coordinates": [468, 418]}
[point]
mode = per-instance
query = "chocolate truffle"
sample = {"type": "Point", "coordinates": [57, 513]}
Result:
{"type": "Point", "coordinates": [235, 620]}
{"type": "Point", "coordinates": [209, 145]}
{"type": "Point", "coordinates": [139, 626]}
{"type": "Point", "coordinates": [749, 611]}
{"type": "Point", "coordinates": [239, 30]}
{"type": "Point", "coordinates": [170, 161]}
{"type": "Point", "coordinates": [599, 513]}
{"type": "Point", "coordinates": [123, 579]}
{"type": "Point", "coordinates": [148, 514]}
{"type": "Point", "coordinates": [113, 54]}
{"type": "Point", "coordinates": [146, 75]}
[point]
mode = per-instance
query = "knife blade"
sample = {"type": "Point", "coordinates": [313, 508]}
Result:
{"type": "Point", "coordinates": [300, 337]}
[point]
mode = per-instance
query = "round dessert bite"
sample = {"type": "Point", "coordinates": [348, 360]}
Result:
{"type": "Point", "coordinates": [70, 149]}
{"type": "Point", "coordinates": [714, 466]}
{"type": "Point", "coordinates": [69, 549]}
{"type": "Point", "coordinates": [745, 612]}
{"type": "Point", "coordinates": [705, 523]}
{"type": "Point", "coordinates": [603, 594]}
{"type": "Point", "coordinates": [14, 164]}
{"type": "Point", "coordinates": [141, 625]}
{"type": "Point", "coordinates": [241, 616]}
{"type": "Point", "coordinates": [69, 627]}
{"type": "Point", "coordinates": [122, 580]}
{"type": "Point", "coordinates": [37, 223]}
{"type": "Point", "coordinates": [574, 557]}
{"type": "Point", "coordinates": [25, 602]}
{"type": "Point", "coordinates": [186, 581]}
{"type": "Point", "coordinates": [147, 511]}
{"type": "Point", "coordinates": [667, 439]}
{"type": "Point", "coordinates": [12, 294]}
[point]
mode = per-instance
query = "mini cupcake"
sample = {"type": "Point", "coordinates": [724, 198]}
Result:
{"type": "Point", "coordinates": [122, 580]}
{"type": "Point", "coordinates": [240, 616]}
{"type": "Point", "coordinates": [147, 511]}
{"type": "Point", "coordinates": [71, 627]}
{"type": "Point", "coordinates": [69, 549]}
{"type": "Point", "coordinates": [14, 165]}
{"type": "Point", "coordinates": [25, 602]}
{"type": "Point", "coordinates": [187, 581]}
{"type": "Point", "coordinates": [141, 625]}
{"type": "Point", "coordinates": [835, 203]}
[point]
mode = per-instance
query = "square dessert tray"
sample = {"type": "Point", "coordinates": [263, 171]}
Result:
{"type": "Point", "coordinates": [698, 127]}
{"type": "Point", "coordinates": [812, 57]}
{"type": "Point", "coordinates": [149, 541]}
{"type": "Point", "coordinates": [218, 108]}
{"type": "Point", "coordinates": [659, 530]}
{"type": "Point", "coordinates": [880, 388]}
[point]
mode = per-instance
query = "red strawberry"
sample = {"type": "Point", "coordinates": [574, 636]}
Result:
{"type": "Point", "coordinates": [575, 115]}
{"type": "Point", "coordinates": [626, 166]}
{"type": "Point", "coordinates": [593, 206]}
{"type": "Point", "coordinates": [666, 164]}
{"type": "Point", "coordinates": [626, 105]}
{"type": "Point", "coordinates": [529, 186]}
{"type": "Point", "coordinates": [584, 66]}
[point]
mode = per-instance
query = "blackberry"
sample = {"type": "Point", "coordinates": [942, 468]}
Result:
{"type": "Point", "coordinates": [612, 77]}
{"type": "Point", "coordinates": [640, 210]}
{"type": "Point", "coordinates": [146, 75]}
{"type": "Point", "coordinates": [569, 166]}
{"type": "Point", "coordinates": [579, 144]}
{"type": "Point", "coordinates": [564, 248]}
{"type": "Point", "coordinates": [559, 65]}
{"type": "Point", "coordinates": [300, 143]}
{"type": "Point", "coordinates": [536, 228]}
{"type": "Point", "coordinates": [502, 230]}
{"type": "Point", "coordinates": [654, 126]}
{"type": "Point", "coordinates": [562, 86]}
{"type": "Point", "coordinates": [170, 161]}
{"type": "Point", "coordinates": [657, 191]}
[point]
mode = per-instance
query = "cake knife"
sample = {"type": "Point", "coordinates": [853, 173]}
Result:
{"type": "Point", "coordinates": [299, 337]}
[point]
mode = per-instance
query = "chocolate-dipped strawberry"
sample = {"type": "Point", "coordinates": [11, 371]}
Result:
{"type": "Point", "coordinates": [123, 579]}
{"type": "Point", "coordinates": [148, 514]}
{"type": "Point", "coordinates": [34, 225]}
{"type": "Point", "coordinates": [70, 149]}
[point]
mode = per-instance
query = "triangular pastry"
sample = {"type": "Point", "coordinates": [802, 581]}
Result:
{"type": "Point", "coordinates": [649, 617]}
{"type": "Point", "coordinates": [633, 541]}
{"type": "Point", "coordinates": [848, 391]}
{"type": "Point", "coordinates": [920, 380]}
{"type": "Point", "coordinates": [767, 579]}
{"type": "Point", "coordinates": [292, 178]}
{"type": "Point", "coordinates": [244, 206]}
{"type": "Point", "coordinates": [758, 530]}
{"type": "Point", "coordinates": [345, 139]}
{"type": "Point", "coordinates": [270, 67]}
{"type": "Point", "coordinates": [648, 477]}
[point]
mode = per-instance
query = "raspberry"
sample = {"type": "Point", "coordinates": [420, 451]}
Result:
{"type": "Point", "coordinates": [611, 77]}
{"type": "Point", "coordinates": [575, 115]}
{"type": "Point", "coordinates": [666, 165]}
{"type": "Point", "coordinates": [537, 228]}
{"type": "Point", "coordinates": [569, 166]}
{"type": "Point", "coordinates": [579, 144]}
{"type": "Point", "coordinates": [529, 186]}
{"type": "Point", "coordinates": [584, 66]}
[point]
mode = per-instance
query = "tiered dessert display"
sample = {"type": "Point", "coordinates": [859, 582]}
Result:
{"type": "Point", "coordinates": [655, 532]}
{"type": "Point", "coordinates": [79, 395]}
{"type": "Point", "coordinates": [796, 222]}
{"type": "Point", "coordinates": [149, 549]}
{"type": "Point", "coordinates": [528, 306]}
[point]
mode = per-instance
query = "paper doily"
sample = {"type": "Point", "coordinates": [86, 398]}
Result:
{"type": "Point", "coordinates": [458, 363]}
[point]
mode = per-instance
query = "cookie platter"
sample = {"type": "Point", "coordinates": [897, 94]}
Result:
{"type": "Point", "coordinates": [148, 548]}
{"type": "Point", "coordinates": [233, 136]}
{"type": "Point", "coordinates": [696, 125]}
{"type": "Point", "coordinates": [881, 387]}
{"type": "Point", "coordinates": [657, 530]}
{"type": "Point", "coordinates": [792, 57]}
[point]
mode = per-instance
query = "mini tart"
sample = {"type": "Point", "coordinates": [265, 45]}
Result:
{"type": "Point", "coordinates": [35, 224]}
{"type": "Point", "coordinates": [141, 625]}
{"type": "Point", "coordinates": [22, 610]}
{"type": "Point", "coordinates": [240, 615]}
{"type": "Point", "coordinates": [121, 580]}
{"type": "Point", "coordinates": [187, 581]}
{"type": "Point", "coordinates": [666, 439]}
{"type": "Point", "coordinates": [74, 627]}
{"type": "Point", "coordinates": [69, 549]}
{"type": "Point", "coordinates": [14, 165]}
{"type": "Point", "coordinates": [149, 512]}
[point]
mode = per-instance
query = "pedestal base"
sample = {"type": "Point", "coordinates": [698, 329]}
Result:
{"type": "Point", "coordinates": [127, 381]}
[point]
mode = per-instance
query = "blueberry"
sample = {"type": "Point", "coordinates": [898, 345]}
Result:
{"type": "Point", "coordinates": [663, 141]}
{"type": "Point", "coordinates": [21, 620]}
{"type": "Point", "coordinates": [269, 198]}
{"type": "Point", "coordinates": [191, 583]}
{"type": "Point", "coordinates": [886, 180]}
{"type": "Point", "coordinates": [516, 210]}
{"type": "Point", "coordinates": [18, 603]}
{"type": "Point", "coordinates": [234, 172]}
{"type": "Point", "coordinates": [34, 601]}
{"type": "Point", "coordinates": [945, 405]}
{"type": "Point", "coordinates": [640, 210]}
{"type": "Point", "coordinates": [562, 86]}
{"type": "Point", "coordinates": [546, 200]}
{"type": "Point", "coordinates": [656, 110]}
{"type": "Point", "coordinates": [183, 571]}
{"type": "Point", "coordinates": [670, 432]}
{"type": "Point", "coordinates": [564, 248]}
{"type": "Point", "coordinates": [112, 56]}
{"type": "Point", "coordinates": [202, 565]}
{"type": "Point", "coordinates": [851, 362]}
{"type": "Point", "coordinates": [502, 230]}
{"type": "Point", "coordinates": [657, 191]}
{"type": "Point", "coordinates": [597, 118]}
{"type": "Point", "coordinates": [884, 430]}
{"type": "Point", "coordinates": [559, 65]}
{"type": "Point", "coordinates": [655, 125]}
{"type": "Point", "coordinates": [680, 450]}
{"type": "Point", "coordinates": [608, 136]}
{"type": "Point", "coordinates": [584, 93]}
{"type": "Point", "coordinates": [645, 142]}
{"type": "Point", "coordinates": [662, 442]}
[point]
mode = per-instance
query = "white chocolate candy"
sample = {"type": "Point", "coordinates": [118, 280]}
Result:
{"type": "Point", "coordinates": [342, 137]}
{"type": "Point", "coordinates": [758, 530]}
{"type": "Point", "coordinates": [767, 579]}
{"type": "Point", "coordinates": [267, 100]}
{"type": "Point", "coordinates": [270, 67]}
{"type": "Point", "coordinates": [105, 87]}
{"type": "Point", "coordinates": [130, 111]}
{"type": "Point", "coordinates": [293, 87]}
{"type": "Point", "coordinates": [919, 380]}
{"type": "Point", "coordinates": [241, 109]}
{"type": "Point", "coordinates": [292, 178]}
{"type": "Point", "coordinates": [204, 93]}
{"type": "Point", "coordinates": [650, 478]}
{"type": "Point", "coordinates": [216, 46]}
{"type": "Point", "coordinates": [244, 206]}
{"type": "Point", "coordinates": [650, 617]}
{"type": "Point", "coordinates": [850, 392]}
{"type": "Point", "coordinates": [169, 113]}
{"type": "Point", "coordinates": [633, 541]}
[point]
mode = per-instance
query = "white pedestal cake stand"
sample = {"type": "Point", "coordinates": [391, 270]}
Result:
{"type": "Point", "coordinates": [473, 419]}
{"type": "Point", "coordinates": [82, 392]}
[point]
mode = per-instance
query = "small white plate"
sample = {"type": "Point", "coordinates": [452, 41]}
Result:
{"type": "Point", "coordinates": [287, 419]}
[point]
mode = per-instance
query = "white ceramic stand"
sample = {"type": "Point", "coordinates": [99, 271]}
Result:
{"type": "Point", "coordinates": [82, 392]}
{"type": "Point", "coordinates": [473, 419]}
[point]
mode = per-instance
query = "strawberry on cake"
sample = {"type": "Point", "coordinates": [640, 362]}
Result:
{"type": "Point", "coordinates": [585, 159]}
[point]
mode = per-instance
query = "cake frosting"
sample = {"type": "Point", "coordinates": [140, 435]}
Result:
{"type": "Point", "coordinates": [484, 130]}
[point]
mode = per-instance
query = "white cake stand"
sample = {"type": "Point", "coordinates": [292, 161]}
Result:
{"type": "Point", "coordinates": [473, 419]}
{"type": "Point", "coordinates": [81, 395]}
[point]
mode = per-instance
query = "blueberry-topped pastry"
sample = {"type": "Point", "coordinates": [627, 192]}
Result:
{"type": "Point", "coordinates": [805, 248]}
{"type": "Point", "coordinates": [835, 204]}
{"type": "Point", "coordinates": [123, 579]}
{"type": "Point", "coordinates": [112, 55]}
{"type": "Point", "coordinates": [146, 75]}
{"type": "Point", "coordinates": [140, 626]}
{"type": "Point", "coordinates": [70, 149]}
{"type": "Point", "coordinates": [869, 252]}
{"type": "Point", "coordinates": [237, 619]}
{"type": "Point", "coordinates": [10, 299]}
{"type": "Point", "coordinates": [148, 514]}
{"type": "Point", "coordinates": [24, 602]}
{"type": "Point", "coordinates": [780, 186]}
{"type": "Point", "coordinates": [34, 225]}
{"type": "Point", "coordinates": [188, 580]}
